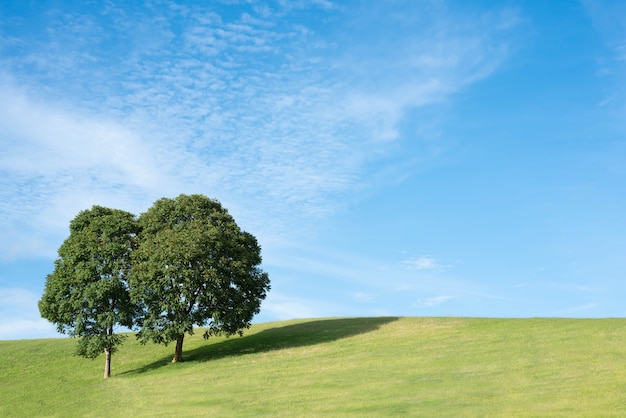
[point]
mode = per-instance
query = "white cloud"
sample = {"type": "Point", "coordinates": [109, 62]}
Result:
{"type": "Point", "coordinates": [283, 307]}
{"type": "Point", "coordinates": [429, 263]}
{"type": "Point", "coordinates": [18, 242]}
{"type": "Point", "coordinates": [20, 317]}
{"type": "Point", "coordinates": [279, 119]}
{"type": "Point", "coordinates": [43, 139]}
{"type": "Point", "coordinates": [21, 329]}
{"type": "Point", "coordinates": [56, 163]}
{"type": "Point", "coordinates": [393, 71]}
{"type": "Point", "coordinates": [422, 263]}
{"type": "Point", "coordinates": [430, 302]}
{"type": "Point", "coordinates": [17, 298]}
{"type": "Point", "coordinates": [576, 309]}
{"type": "Point", "coordinates": [268, 116]}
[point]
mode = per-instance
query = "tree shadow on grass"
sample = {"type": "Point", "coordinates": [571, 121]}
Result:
{"type": "Point", "coordinates": [289, 336]}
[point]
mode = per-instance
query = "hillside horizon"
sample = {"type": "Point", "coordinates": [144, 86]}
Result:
{"type": "Point", "coordinates": [376, 366]}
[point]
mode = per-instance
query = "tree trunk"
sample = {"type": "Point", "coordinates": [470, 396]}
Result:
{"type": "Point", "coordinates": [178, 354]}
{"type": "Point", "coordinates": [107, 363]}
{"type": "Point", "coordinates": [107, 356]}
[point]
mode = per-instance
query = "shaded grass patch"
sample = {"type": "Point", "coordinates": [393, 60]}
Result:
{"type": "Point", "coordinates": [292, 335]}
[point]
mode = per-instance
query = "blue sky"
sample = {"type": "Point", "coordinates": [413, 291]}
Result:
{"type": "Point", "coordinates": [412, 158]}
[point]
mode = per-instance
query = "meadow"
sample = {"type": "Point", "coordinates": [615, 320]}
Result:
{"type": "Point", "coordinates": [365, 367]}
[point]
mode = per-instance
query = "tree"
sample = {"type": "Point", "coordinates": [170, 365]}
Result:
{"type": "Point", "coordinates": [87, 293]}
{"type": "Point", "coordinates": [194, 266]}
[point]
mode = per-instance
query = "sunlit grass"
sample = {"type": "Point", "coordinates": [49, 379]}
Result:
{"type": "Point", "coordinates": [337, 367]}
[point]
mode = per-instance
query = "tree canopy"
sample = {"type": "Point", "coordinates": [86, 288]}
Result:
{"type": "Point", "coordinates": [193, 266]}
{"type": "Point", "coordinates": [87, 294]}
{"type": "Point", "coordinates": [183, 263]}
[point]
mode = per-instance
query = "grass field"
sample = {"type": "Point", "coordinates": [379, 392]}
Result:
{"type": "Point", "coordinates": [457, 367]}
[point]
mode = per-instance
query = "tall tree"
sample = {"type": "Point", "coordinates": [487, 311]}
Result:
{"type": "Point", "coordinates": [194, 266]}
{"type": "Point", "coordinates": [87, 295]}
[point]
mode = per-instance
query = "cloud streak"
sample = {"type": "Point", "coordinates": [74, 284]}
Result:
{"type": "Point", "coordinates": [284, 111]}
{"type": "Point", "coordinates": [270, 117]}
{"type": "Point", "coordinates": [20, 316]}
{"type": "Point", "coordinates": [428, 263]}
{"type": "Point", "coordinates": [430, 302]}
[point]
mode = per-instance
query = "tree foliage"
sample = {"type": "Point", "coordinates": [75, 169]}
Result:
{"type": "Point", "coordinates": [87, 295]}
{"type": "Point", "coordinates": [193, 266]}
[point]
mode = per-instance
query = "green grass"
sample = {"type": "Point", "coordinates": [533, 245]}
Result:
{"type": "Point", "coordinates": [457, 367]}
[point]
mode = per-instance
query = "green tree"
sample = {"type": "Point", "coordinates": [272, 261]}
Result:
{"type": "Point", "coordinates": [194, 266]}
{"type": "Point", "coordinates": [87, 295]}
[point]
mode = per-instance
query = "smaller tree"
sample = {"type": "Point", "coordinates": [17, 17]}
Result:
{"type": "Point", "coordinates": [87, 295]}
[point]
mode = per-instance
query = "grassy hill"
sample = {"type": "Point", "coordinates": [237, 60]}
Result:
{"type": "Point", "coordinates": [336, 367]}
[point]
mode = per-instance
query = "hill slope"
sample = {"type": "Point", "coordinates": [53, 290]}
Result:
{"type": "Point", "coordinates": [335, 367]}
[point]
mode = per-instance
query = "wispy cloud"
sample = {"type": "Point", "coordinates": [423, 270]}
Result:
{"type": "Point", "coordinates": [21, 318]}
{"type": "Point", "coordinates": [580, 308]}
{"type": "Point", "coordinates": [428, 263]}
{"type": "Point", "coordinates": [363, 297]}
{"type": "Point", "coordinates": [422, 263]}
{"type": "Point", "coordinates": [430, 302]}
{"type": "Point", "coordinates": [607, 19]}
{"type": "Point", "coordinates": [270, 117]}
{"type": "Point", "coordinates": [280, 306]}
{"type": "Point", "coordinates": [56, 163]}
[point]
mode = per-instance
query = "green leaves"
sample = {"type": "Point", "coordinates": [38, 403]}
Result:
{"type": "Point", "coordinates": [92, 346]}
{"type": "Point", "coordinates": [193, 266]}
{"type": "Point", "coordinates": [182, 263]}
{"type": "Point", "coordinates": [87, 293]}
